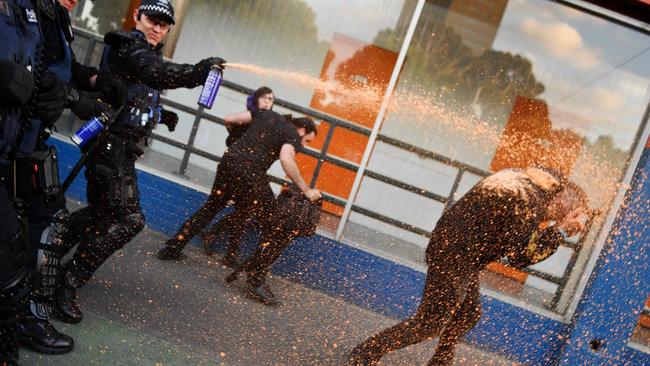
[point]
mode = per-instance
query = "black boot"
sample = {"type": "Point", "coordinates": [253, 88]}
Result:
{"type": "Point", "coordinates": [66, 307]}
{"type": "Point", "coordinates": [262, 293]}
{"type": "Point", "coordinates": [41, 336]}
{"type": "Point", "coordinates": [171, 253]}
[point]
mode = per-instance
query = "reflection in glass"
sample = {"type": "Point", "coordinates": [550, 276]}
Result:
{"type": "Point", "coordinates": [491, 85]}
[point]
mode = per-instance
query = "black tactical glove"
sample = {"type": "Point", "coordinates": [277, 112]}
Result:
{"type": "Point", "coordinates": [112, 89]}
{"type": "Point", "coordinates": [168, 118]}
{"type": "Point", "coordinates": [201, 69]}
{"type": "Point", "coordinates": [16, 84]}
{"type": "Point", "coordinates": [51, 99]}
{"type": "Point", "coordinates": [86, 106]}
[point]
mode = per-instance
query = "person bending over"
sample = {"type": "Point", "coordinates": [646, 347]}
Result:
{"type": "Point", "coordinates": [516, 214]}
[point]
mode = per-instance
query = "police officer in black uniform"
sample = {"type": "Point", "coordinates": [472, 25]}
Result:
{"type": "Point", "coordinates": [113, 215]}
{"type": "Point", "coordinates": [37, 182]}
{"type": "Point", "coordinates": [26, 91]}
{"type": "Point", "coordinates": [515, 214]}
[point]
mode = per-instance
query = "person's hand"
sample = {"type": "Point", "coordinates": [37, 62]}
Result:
{"type": "Point", "coordinates": [313, 195]}
{"type": "Point", "coordinates": [216, 61]}
{"type": "Point", "coordinates": [112, 89]}
{"type": "Point", "coordinates": [51, 99]}
{"type": "Point", "coordinates": [203, 67]}
{"type": "Point", "coordinates": [168, 118]}
{"type": "Point", "coordinates": [88, 106]}
{"type": "Point", "coordinates": [251, 104]}
{"type": "Point", "coordinates": [574, 222]}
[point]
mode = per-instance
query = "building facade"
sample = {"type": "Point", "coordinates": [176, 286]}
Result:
{"type": "Point", "coordinates": [416, 101]}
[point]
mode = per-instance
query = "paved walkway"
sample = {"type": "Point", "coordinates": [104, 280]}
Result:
{"type": "Point", "coordinates": [142, 311]}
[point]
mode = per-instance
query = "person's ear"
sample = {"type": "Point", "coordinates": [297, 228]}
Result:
{"type": "Point", "coordinates": [135, 15]}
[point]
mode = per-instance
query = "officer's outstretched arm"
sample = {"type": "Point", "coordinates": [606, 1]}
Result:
{"type": "Point", "coordinates": [160, 74]}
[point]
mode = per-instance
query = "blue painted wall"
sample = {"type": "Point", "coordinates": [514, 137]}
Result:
{"type": "Point", "coordinates": [609, 308]}
{"type": "Point", "coordinates": [356, 276]}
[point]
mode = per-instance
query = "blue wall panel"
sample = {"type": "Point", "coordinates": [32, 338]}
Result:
{"type": "Point", "coordinates": [619, 285]}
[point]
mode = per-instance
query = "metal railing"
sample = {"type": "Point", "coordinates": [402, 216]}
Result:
{"type": "Point", "coordinates": [91, 51]}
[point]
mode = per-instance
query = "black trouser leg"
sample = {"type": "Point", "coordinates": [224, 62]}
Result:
{"type": "Point", "coordinates": [463, 320]}
{"type": "Point", "coordinates": [236, 225]}
{"type": "Point", "coordinates": [443, 292]}
{"type": "Point", "coordinates": [258, 205]}
{"type": "Point", "coordinates": [216, 202]}
{"type": "Point", "coordinates": [13, 282]}
{"type": "Point", "coordinates": [94, 251]}
{"type": "Point", "coordinates": [257, 265]}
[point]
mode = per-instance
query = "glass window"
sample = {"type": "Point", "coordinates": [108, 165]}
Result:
{"type": "Point", "coordinates": [489, 85]}
{"type": "Point", "coordinates": [296, 48]}
{"type": "Point", "coordinates": [101, 16]}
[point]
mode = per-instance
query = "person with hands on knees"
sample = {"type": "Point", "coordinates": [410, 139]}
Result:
{"type": "Point", "coordinates": [113, 216]}
{"type": "Point", "coordinates": [241, 175]}
{"type": "Point", "coordinates": [521, 215]}
{"type": "Point", "coordinates": [236, 223]}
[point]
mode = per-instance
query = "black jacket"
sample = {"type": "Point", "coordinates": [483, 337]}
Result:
{"type": "Point", "coordinates": [497, 218]}
{"type": "Point", "coordinates": [134, 60]}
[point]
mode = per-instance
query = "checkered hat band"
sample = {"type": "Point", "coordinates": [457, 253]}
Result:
{"type": "Point", "coordinates": [157, 9]}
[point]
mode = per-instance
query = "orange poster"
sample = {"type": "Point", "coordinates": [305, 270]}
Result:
{"type": "Point", "coordinates": [361, 73]}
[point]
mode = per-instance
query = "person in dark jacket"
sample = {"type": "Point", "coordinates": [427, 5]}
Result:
{"type": "Point", "coordinates": [241, 175]}
{"type": "Point", "coordinates": [515, 214]}
{"type": "Point", "coordinates": [113, 215]}
{"type": "Point", "coordinates": [235, 223]}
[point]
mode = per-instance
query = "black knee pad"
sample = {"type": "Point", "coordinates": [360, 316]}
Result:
{"type": "Point", "coordinates": [123, 231]}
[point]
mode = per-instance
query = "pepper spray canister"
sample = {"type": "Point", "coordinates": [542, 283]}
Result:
{"type": "Point", "coordinates": [211, 87]}
{"type": "Point", "coordinates": [88, 131]}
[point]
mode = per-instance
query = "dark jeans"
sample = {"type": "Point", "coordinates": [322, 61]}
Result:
{"type": "Point", "coordinates": [271, 245]}
{"type": "Point", "coordinates": [450, 307]}
{"type": "Point", "coordinates": [235, 225]}
{"type": "Point", "coordinates": [251, 193]}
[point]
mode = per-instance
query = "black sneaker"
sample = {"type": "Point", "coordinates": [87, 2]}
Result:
{"type": "Point", "coordinates": [262, 294]}
{"type": "Point", "coordinates": [171, 254]}
{"type": "Point", "coordinates": [41, 336]}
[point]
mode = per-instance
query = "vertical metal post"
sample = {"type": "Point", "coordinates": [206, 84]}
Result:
{"type": "Point", "coordinates": [323, 152]}
{"type": "Point", "coordinates": [190, 142]}
{"type": "Point", "coordinates": [454, 188]}
{"type": "Point", "coordinates": [380, 117]}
